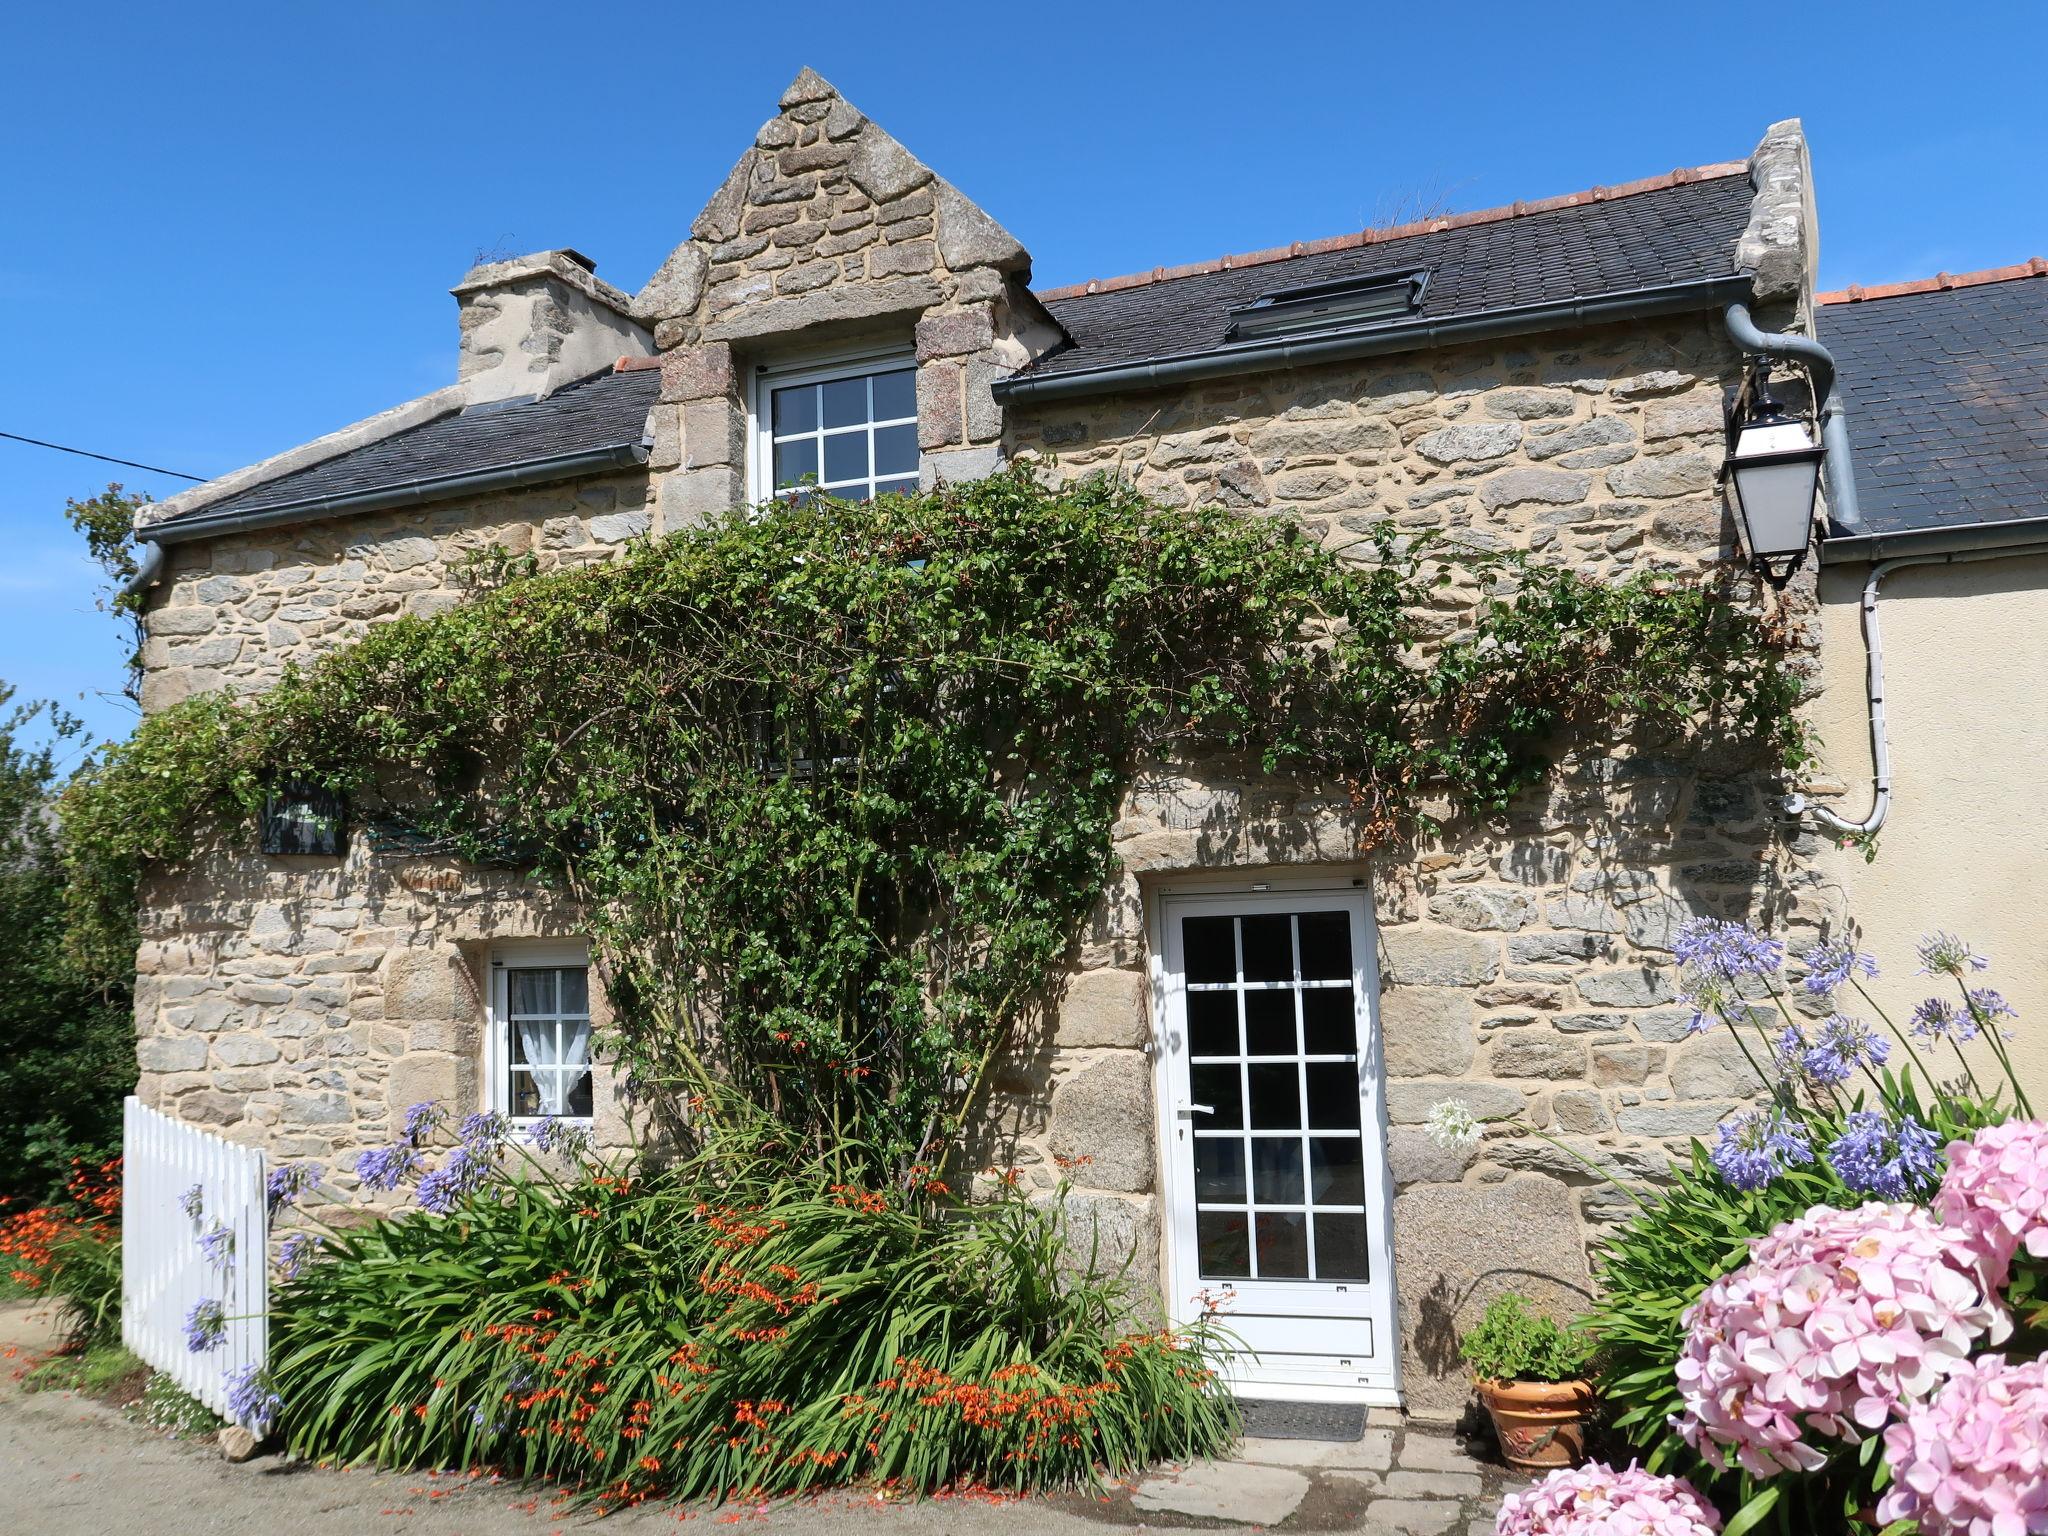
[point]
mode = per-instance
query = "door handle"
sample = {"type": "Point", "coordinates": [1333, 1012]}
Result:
{"type": "Point", "coordinates": [1188, 1111]}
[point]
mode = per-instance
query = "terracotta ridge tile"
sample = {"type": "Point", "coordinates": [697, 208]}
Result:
{"type": "Point", "coordinates": [1346, 242]}
{"type": "Point", "coordinates": [635, 364]}
{"type": "Point", "coordinates": [1856, 293]}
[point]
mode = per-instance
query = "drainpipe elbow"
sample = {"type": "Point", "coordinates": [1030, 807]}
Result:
{"type": "Point", "coordinates": [147, 572]}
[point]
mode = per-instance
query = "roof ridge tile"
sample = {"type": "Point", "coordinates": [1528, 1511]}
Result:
{"type": "Point", "coordinates": [1857, 293]}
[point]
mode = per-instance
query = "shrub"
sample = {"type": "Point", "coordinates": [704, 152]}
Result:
{"type": "Point", "coordinates": [1510, 1343]}
{"type": "Point", "coordinates": [70, 1252]}
{"type": "Point", "coordinates": [741, 1323]}
{"type": "Point", "coordinates": [85, 1277]}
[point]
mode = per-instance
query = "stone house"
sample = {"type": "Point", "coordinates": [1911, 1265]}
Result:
{"type": "Point", "coordinates": [1259, 1018]}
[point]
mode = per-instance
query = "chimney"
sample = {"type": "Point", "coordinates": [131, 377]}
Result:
{"type": "Point", "coordinates": [534, 323]}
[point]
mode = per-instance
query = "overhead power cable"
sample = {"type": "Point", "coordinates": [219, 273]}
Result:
{"type": "Point", "coordinates": [104, 458]}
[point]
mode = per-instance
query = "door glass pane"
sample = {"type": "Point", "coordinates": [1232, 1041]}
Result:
{"type": "Point", "coordinates": [796, 409]}
{"type": "Point", "coordinates": [1219, 1170]}
{"type": "Point", "coordinates": [1326, 946]}
{"type": "Point", "coordinates": [1268, 947]}
{"type": "Point", "coordinates": [794, 461]}
{"type": "Point", "coordinates": [1269, 1023]}
{"type": "Point", "coordinates": [1218, 1087]}
{"type": "Point", "coordinates": [846, 457]}
{"type": "Point", "coordinates": [533, 992]}
{"type": "Point", "coordinates": [1222, 1241]}
{"type": "Point", "coordinates": [1276, 1096]}
{"type": "Point", "coordinates": [1329, 1026]}
{"type": "Point", "coordinates": [1332, 1096]}
{"type": "Point", "coordinates": [1340, 1247]}
{"type": "Point", "coordinates": [896, 451]}
{"type": "Point", "coordinates": [846, 402]}
{"type": "Point", "coordinates": [1208, 951]}
{"type": "Point", "coordinates": [1336, 1170]}
{"type": "Point", "coordinates": [1212, 1024]}
{"type": "Point", "coordinates": [1276, 1171]}
{"type": "Point", "coordinates": [1283, 1245]}
{"type": "Point", "coordinates": [896, 394]}
{"type": "Point", "coordinates": [575, 990]}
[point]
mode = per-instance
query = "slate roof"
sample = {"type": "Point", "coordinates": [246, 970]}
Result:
{"type": "Point", "coordinates": [606, 410]}
{"type": "Point", "coordinates": [1679, 230]}
{"type": "Point", "coordinates": [1947, 398]}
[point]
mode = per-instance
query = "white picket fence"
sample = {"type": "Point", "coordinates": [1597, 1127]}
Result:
{"type": "Point", "coordinates": [165, 1273]}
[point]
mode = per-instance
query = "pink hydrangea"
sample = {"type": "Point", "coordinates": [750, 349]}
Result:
{"type": "Point", "coordinates": [1996, 1187]}
{"type": "Point", "coordinates": [1973, 1461]}
{"type": "Point", "coordinates": [1599, 1501]}
{"type": "Point", "coordinates": [1837, 1318]}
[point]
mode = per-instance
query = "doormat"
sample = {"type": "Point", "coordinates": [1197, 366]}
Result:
{"type": "Point", "coordinates": [1267, 1419]}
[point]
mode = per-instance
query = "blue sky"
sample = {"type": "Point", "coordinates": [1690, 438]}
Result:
{"type": "Point", "coordinates": [232, 227]}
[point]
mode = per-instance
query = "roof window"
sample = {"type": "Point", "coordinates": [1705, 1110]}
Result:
{"type": "Point", "coordinates": [1329, 306]}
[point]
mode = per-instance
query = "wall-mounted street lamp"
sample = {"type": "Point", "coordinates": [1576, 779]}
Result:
{"type": "Point", "coordinates": [1774, 459]}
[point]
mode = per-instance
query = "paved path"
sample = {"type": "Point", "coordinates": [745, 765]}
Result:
{"type": "Point", "coordinates": [72, 1467]}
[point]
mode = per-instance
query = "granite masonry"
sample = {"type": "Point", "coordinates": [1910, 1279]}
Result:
{"type": "Point", "coordinates": [1525, 963]}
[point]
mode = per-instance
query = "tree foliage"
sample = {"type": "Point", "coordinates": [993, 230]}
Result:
{"type": "Point", "coordinates": [107, 522]}
{"type": "Point", "coordinates": [836, 783]}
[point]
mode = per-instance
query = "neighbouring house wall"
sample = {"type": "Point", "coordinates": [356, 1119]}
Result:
{"type": "Point", "coordinates": [1965, 655]}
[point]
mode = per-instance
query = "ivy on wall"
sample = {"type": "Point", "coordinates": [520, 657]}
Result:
{"type": "Point", "coordinates": [836, 784]}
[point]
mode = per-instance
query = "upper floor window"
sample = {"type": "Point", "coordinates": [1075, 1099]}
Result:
{"type": "Point", "coordinates": [540, 1031]}
{"type": "Point", "coordinates": [850, 431]}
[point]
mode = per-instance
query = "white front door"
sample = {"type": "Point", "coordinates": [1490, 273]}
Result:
{"type": "Point", "coordinates": [1278, 1197]}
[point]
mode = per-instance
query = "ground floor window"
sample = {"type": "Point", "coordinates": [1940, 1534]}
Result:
{"type": "Point", "coordinates": [540, 1032]}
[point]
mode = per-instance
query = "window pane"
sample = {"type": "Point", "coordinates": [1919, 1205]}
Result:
{"type": "Point", "coordinates": [1268, 948]}
{"type": "Point", "coordinates": [1212, 1023]}
{"type": "Point", "coordinates": [1217, 1087]}
{"type": "Point", "coordinates": [1225, 1250]}
{"type": "Point", "coordinates": [897, 487]}
{"type": "Point", "coordinates": [1219, 1170]}
{"type": "Point", "coordinates": [896, 451]}
{"type": "Point", "coordinates": [1268, 1023]}
{"type": "Point", "coordinates": [1276, 1097]}
{"type": "Point", "coordinates": [575, 990]}
{"type": "Point", "coordinates": [533, 992]}
{"type": "Point", "coordinates": [1208, 950]}
{"type": "Point", "coordinates": [796, 409]}
{"type": "Point", "coordinates": [1328, 1022]}
{"type": "Point", "coordinates": [846, 457]}
{"type": "Point", "coordinates": [1336, 1170]}
{"type": "Point", "coordinates": [1276, 1171]}
{"type": "Point", "coordinates": [793, 461]}
{"type": "Point", "coordinates": [1283, 1245]}
{"type": "Point", "coordinates": [1325, 946]}
{"type": "Point", "coordinates": [1340, 1248]}
{"type": "Point", "coordinates": [525, 1096]}
{"type": "Point", "coordinates": [846, 402]}
{"type": "Point", "coordinates": [1333, 1096]}
{"type": "Point", "coordinates": [896, 394]}
{"type": "Point", "coordinates": [580, 1099]}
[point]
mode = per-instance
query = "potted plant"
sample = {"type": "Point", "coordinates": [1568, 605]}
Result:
{"type": "Point", "coordinates": [1530, 1372]}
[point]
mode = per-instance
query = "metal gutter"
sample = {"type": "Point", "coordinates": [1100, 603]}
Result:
{"type": "Point", "coordinates": [1302, 351]}
{"type": "Point", "coordinates": [1843, 505]}
{"type": "Point", "coordinates": [505, 477]}
{"type": "Point", "coordinates": [2016, 536]}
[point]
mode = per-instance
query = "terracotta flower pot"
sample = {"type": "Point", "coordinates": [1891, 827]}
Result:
{"type": "Point", "coordinates": [1541, 1424]}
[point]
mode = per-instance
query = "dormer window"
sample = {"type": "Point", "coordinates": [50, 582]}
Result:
{"type": "Point", "coordinates": [1338, 305]}
{"type": "Point", "coordinates": [849, 430]}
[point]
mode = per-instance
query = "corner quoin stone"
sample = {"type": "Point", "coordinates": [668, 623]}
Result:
{"type": "Point", "coordinates": [1104, 1113]}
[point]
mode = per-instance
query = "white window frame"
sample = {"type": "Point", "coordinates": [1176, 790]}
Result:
{"type": "Point", "coordinates": [505, 958]}
{"type": "Point", "coordinates": [816, 368]}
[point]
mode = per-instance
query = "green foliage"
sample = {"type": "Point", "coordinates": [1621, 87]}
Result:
{"type": "Point", "coordinates": [67, 1047]}
{"type": "Point", "coordinates": [84, 1277]}
{"type": "Point", "coordinates": [733, 1325]}
{"type": "Point", "coordinates": [836, 783]}
{"type": "Point", "coordinates": [103, 1370]}
{"type": "Point", "coordinates": [1511, 1343]}
{"type": "Point", "coordinates": [108, 523]}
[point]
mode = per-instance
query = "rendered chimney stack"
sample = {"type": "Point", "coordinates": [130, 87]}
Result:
{"type": "Point", "coordinates": [535, 323]}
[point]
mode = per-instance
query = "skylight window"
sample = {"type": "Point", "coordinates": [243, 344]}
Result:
{"type": "Point", "coordinates": [1329, 306]}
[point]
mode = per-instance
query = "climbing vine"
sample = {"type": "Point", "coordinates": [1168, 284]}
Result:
{"type": "Point", "coordinates": [836, 785]}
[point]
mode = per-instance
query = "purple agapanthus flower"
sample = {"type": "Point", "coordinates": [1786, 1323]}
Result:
{"type": "Point", "coordinates": [192, 1202]}
{"type": "Point", "coordinates": [420, 1121]}
{"type": "Point", "coordinates": [1719, 948]}
{"type": "Point", "coordinates": [463, 1174]}
{"type": "Point", "coordinates": [1758, 1145]}
{"type": "Point", "coordinates": [1943, 954]}
{"type": "Point", "coordinates": [1842, 1046]}
{"type": "Point", "coordinates": [252, 1401]}
{"type": "Point", "coordinates": [1939, 1019]}
{"type": "Point", "coordinates": [293, 1253]}
{"type": "Point", "coordinates": [205, 1326]}
{"type": "Point", "coordinates": [1986, 1004]}
{"type": "Point", "coordinates": [217, 1242]}
{"type": "Point", "coordinates": [387, 1167]}
{"type": "Point", "coordinates": [1829, 965]}
{"type": "Point", "coordinates": [484, 1133]}
{"type": "Point", "coordinates": [1874, 1156]}
{"type": "Point", "coordinates": [1792, 1045]}
{"type": "Point", "coordinates": [552, 1134]}
{"type": "Point", "coordinates": [288, 1181]}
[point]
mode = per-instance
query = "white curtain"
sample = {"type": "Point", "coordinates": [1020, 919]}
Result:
{"type": "Point", "coordinates": [555, 1072]}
